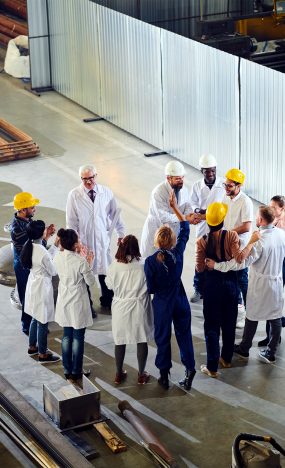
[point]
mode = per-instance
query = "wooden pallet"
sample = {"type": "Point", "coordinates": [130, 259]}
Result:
{"type": "Point", "coordinates": [15, 144]}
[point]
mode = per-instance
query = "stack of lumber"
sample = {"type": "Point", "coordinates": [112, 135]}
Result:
{"type": "Point", "coordinates": [15, 144]}
{"type": "Point", "coordinates": [12, 27]}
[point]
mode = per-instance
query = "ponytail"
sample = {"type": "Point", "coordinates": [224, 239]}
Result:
{"type": "Point", "coordinates": [35, 231]}
{"type": "Point", "coordinates": [26, 254]}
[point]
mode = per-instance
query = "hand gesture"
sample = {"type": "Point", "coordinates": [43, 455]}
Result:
{"type": "Point", "coordinates": [210, 263]}
{"type": "Point", "coordinates": [90, 257]}
{"type": "Point", "coordinates": [194, 218]}
{"type": "Point", "coordinates": [49, 231]}
{"type": "Point", "coordinates": [255, 236]}
{"type": "Point", "coordinates": [172, 199]}
{"type": "Point", "coordinates": [83, 250]}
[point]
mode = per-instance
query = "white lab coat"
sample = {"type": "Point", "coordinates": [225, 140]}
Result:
{"type": "Point", "coordinates": [92, 221]}
{"type": "Point", "coordinates": [132, 316]}
{"type": "Point", "coordinates": [39, 301]}
{"type": "Point", "coordinates": [201, 197]}
{"type": "Point", "coordinates": [160, 213]}
{"type": "Point", "coordinates": [264, 299]}
{"type": "Point", "coordinates": [73, 305]}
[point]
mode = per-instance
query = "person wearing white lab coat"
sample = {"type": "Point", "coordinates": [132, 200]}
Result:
{"type": "Point", "coordinates": [205, 191]}
{"type": "Point", "coordinates": [265, 288]}
{"type": "Point", "coordinates": [132, 315]}
{"type": "Point", "coordinates": [159, 211]}
{"type": "Point", "coordinates": [73, 305]}
{"type": "Point", "coordinates": [92, 211]}
{"type": "Point", "coordinates": [39, 303]}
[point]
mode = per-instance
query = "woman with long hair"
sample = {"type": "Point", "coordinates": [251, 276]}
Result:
{"type": "Point", "coordinates": [73, 306]}
{"type": "Point", "coordinates": [132, 316]}
{"type": "Point", "coordinates": [39, 302]}
{"type": "Point", "coordinates": [170, 304]}
{"type": "Point", "coordinates": [220, 305]}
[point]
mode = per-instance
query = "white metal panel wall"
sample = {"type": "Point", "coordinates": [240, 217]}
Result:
{"type": "Point", "coordinates": [262, 130]}
{"type": "Point", "coordinates": [130, 65]}
{"type": "Point", "coordinates": [200, 102]}
{"type": "Point", "coordinates": [38, 43]}
{"type": "Point", "coordinates": [74, 51]}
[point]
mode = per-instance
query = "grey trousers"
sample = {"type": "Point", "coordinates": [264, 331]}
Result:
{"type": "Point", "coordinates": [249, 332]}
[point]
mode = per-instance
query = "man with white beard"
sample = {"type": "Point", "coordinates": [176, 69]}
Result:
{"type": "Point", "coordinates": [92, 211]}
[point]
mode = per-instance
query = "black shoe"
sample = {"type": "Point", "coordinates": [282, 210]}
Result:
{"type": "Point", "coordinates": [240, 353]}
{"type": "Point", "coordinates": [188, 379]}
{"type": "Point", "coordinates": [67, 376]}
{"type": "Point", "coordinates": [32, 352]}
{"type": "Point", "coordinates": [106, 302]}
{"type": "Point", "coordinates": [283, 321]}
{"type": "Point", "coordinates": [25, 331]}
{"type": "Point", "coordinates": [265, 356]}
{"type": "Point", "coordinates": [79, 376]}
{"type": "Point", "coordinates": [163, 379]}
{"type": "Point", "coordinates": [49, 358]}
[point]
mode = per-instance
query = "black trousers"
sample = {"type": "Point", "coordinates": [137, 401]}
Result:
{"type": "Point", "coordinates": [107, 294]}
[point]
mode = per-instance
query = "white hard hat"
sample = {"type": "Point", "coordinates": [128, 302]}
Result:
{"type": "Point", "coordinates": [207, 160]}
{"type": "Point", "coordinates": [174, 168]}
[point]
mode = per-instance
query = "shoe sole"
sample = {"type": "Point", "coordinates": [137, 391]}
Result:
{"type": "Point", "coordinates": [49, 362]}
{"type": "Point", "coordinates": [264, 359]}
{"type": "Point", "coordinates": [33, 353]}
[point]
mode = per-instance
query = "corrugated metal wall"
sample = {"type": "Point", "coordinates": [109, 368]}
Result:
{"type": "Point", "coordinates": [39, 43]}
{"type": "Point", "coordinates": [262, 130]}
{"type": "Point", "coordinates": [179, 95]}
{"type": "Point", "coordinates": [200, 101]}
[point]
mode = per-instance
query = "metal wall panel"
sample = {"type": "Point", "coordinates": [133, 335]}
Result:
{"type": "Point", "coordinates": [38, 43]}
{"type": "Point", "coordinates": [200, 102]}
{"type": "Point", "coordinates": [262, 130]}
{"type": "Point", "coordinates": [130, 64]}
{"type": "Point", "coordinates": [74, 51]}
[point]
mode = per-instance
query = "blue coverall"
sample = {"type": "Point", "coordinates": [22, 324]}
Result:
{"type": "Point", "coordinates": [170, 303]}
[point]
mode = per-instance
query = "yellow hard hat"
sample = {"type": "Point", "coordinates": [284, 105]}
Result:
{"type": "Point", "coordinates": [24, 200]}
{"type": "Point", "coordinates": [236, 175]}
{"type": "Point", "coordinates": [216, 213]}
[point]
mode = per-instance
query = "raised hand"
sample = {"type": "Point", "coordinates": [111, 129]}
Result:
{"type": "Point", "coordinates": [255, 236]}
{"type": "Point", "coordinates": [90, 257]}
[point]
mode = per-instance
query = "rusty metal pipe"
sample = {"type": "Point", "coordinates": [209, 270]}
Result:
{"type": "Point", "coordinates": [16, 7]}
{"type": "Point", "coordinates": [14, 25]}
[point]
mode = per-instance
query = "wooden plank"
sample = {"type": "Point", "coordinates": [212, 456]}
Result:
{"type": "Point", "coordinates": [110, 438]}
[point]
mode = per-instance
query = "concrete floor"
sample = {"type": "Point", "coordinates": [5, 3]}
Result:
{"type": "Point", "coordinates": [197, 427]}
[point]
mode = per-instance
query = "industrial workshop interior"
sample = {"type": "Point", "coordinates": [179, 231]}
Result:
{"type": "Point", "coordinates": [123, 122]}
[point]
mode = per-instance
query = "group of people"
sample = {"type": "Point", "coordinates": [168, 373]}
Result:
{"type": "Point", "coordinates": [142, 285]}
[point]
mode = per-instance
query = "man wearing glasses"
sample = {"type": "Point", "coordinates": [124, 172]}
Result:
{"type": "Point", "coordinates": [93, 213]}
{"type": "Point", "coordinates": [239, 218]}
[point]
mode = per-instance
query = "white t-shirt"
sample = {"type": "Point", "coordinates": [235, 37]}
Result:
{"type": "Point", "coordinates": [240, 210]}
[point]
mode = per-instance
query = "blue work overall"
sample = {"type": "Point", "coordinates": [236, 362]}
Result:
{"type": "Point", "coordinates": [170, 303]}
{"type": "Point", "coordinates": [220, 309]}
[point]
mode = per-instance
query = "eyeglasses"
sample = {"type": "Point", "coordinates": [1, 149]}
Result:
{"type": "Point", "coordinates": [229, 186]}
{"type": "Point", "coordinates": [85, 179]}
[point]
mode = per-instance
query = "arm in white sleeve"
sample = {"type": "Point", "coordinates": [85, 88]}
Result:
{"type": "Point", "coordinates": [72, 220]}
{"type": "Point", "coordinates": [162, 209]}
{"type": "Point", "coordinates": [232, 265]}
{"type": "Point", "coordinates": [194, 198]}
{"type": "Point", "coordinates": [113, 208]}
{"type": "Point", "coordinates": [48, 264]}
{"type": "Point", "coordinates": [87, 273]}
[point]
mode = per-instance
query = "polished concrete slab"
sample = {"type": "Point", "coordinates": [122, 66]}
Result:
{"type": "Point", "coordinates": [197, 427]}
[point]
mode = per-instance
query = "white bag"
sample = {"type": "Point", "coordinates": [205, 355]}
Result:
{"type": "Point", "coordinates": [16, 64]}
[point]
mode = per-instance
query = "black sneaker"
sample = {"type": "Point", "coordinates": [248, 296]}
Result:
{"type": "Point", "coordinates": [33, 352]}
{"type": "Point", "coordinates": [240, 353]}
{"type": "Point", "coordinates": [265, 356]}
{"type": "Point", "coordinates": [49, 358]}
{"type": "Point", "coordinates": [188, 379]}
{"type": "Point", "coordinates": [195, 297]}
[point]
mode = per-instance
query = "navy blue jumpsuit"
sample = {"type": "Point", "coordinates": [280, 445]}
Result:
{"type": "Point", "coordinates": [170, 303]}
